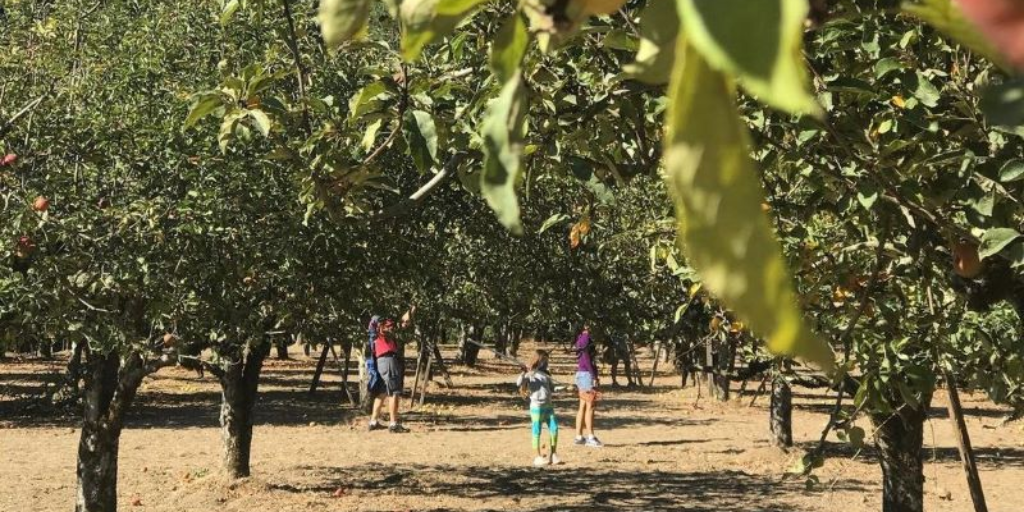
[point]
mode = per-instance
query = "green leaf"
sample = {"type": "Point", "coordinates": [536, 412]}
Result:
{"type": "Point", "coordinates": [1012, 171]}
{"type": "Point", "coordinates": [426, 21]}
{"type": "Point", "coordinates": [946, 16]}
{"type": "Point", "coordinates": [759, 42]}
{"type": "Point", "coordinates": [341, 20]}
{"type": "Point", "coordinates": [856, 437]}
{"type": "Point", "coordinates": [553, 220]}
{"type": "Point", "coordinates": [371, 134]}
{"type": "Point", "coordinates": [229, 11]}
{"type": "Point", "coordinates": [926, 91]}
{"type": "Point", "coordinates": [363, 101]}
{"type": "Point", "coordinates": [724, 232]}
{"type": "Point", "coordinates": [202, 107]}
{"type": "Point", "coordinates": [262, 120]}
{"type": "Point", "coordinates": [659, 27]}
{"type": "Point", "coordinates": [986, 203]}
{"type": "Point", "coordinates": [621, 40]}
{"type": "Point", "coordinates": [887, 65]}
{"type": "Point", "coordinates": [421, 137]}
{"type": "Point", "coordinates": [509, 46]}
{"type": "Point", "coordinates": [502, 131]}
{"type": "Point", "coordinates": [995, 240]}
{"type": "Point", "coordinates": [867, 194]}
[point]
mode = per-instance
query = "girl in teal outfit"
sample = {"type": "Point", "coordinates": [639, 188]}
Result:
{"type": "Point", "coordinates": [537, 383]}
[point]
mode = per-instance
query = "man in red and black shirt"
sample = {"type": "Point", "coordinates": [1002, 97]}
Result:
{"type": "Point", "coordinates": [389, 365]}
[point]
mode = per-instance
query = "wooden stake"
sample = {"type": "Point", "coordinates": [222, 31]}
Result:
{"type": "Point", "coordinates": [963, 439]}
{"type": "Point", "coordinates": [319, 369]}
{"type": "Point", "coordinates": [426, 382]}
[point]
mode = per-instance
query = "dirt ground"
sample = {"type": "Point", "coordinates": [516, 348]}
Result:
{"type": "Point", "coordinates": [469, 449]}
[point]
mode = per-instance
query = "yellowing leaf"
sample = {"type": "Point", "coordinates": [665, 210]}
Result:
{"type": "Point", "coordinates": [759, 42]}
{"type": "Point", "coordinates": [717, 191]}
{"type": "Point", "coordinates": [426, 21]}
{"type": "Point", "coordinates": [341, 20]}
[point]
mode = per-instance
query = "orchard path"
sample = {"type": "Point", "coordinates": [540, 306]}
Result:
{"type": "Point", "coordinates": [469, 450]}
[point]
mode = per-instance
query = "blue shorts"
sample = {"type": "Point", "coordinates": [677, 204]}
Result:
{"type": "Point", "coordinates": [584, 381]}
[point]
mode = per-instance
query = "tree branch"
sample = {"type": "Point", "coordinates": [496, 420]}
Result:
{"type": "Point", "coordinates": [420, 194]}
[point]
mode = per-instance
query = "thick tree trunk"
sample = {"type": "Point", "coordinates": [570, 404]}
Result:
{"type": "Point", "coordinates": [97, 469]}
{"type": "Point", "coordinates": [108, 393]}
{"type": "Point", "coordinates": [899, 438]}
{"type": "Point", "coordinates": [239, 381]}
{"type": "Point", "coordinates": [781, 413]}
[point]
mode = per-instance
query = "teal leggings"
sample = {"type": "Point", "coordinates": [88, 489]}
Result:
{"type": "Point", "coordinates": [539, 416]}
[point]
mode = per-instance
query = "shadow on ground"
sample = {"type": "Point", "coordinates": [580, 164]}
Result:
{"type": "Point", "coordinates": [591, 490]}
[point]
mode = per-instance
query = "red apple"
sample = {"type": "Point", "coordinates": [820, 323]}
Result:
{"type": "Point", "coordinates": [41, 204]}
{"type": "Point", "coordinates": [966, 262]}
{"type": "Point", "coordinates": [8, 159]}
{"type": "Point", "coordinates": [1002, 22]}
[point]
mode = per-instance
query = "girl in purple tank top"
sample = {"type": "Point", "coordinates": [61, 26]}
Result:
{"type": "Point", "coordinates": [586, 383]}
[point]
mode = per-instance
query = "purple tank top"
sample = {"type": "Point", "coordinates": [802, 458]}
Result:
{"type": "Point", "coordinates": [584, 361]}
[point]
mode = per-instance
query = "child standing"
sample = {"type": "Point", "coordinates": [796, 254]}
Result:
{"type": "Point", "coordinates": [536, 381]}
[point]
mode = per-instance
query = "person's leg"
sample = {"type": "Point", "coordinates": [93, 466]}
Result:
{"type": "Point", "coordinates": [552, 429]}
{"type": "Point", "coordinates": [580, 417]}
{"type": "Point", "coordinates": [535, 427]}
{"type": "Point", "coordinates": [393, 408]}
{"type": "Point", "coordinates": [588, 421]}
{"type": "Point", "coordinates": [378, 402]}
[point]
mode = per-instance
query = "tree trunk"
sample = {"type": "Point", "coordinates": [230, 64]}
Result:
{"type": "Point", "coordinates": [899, 438]}
{"type": "Point", "coordinates": [45, 349]}
{"type": "Point", "coordinates": [239, 382]}
{"type": "Point", "coordinates": [282, 348]}
{"type": "Point", "coordinates": [109, 390]}
{"type": "Point", "coordinates": [781, 413]}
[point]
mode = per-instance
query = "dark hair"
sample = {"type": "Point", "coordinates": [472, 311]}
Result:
{"type": "Point", "coordinates": [539, 359]}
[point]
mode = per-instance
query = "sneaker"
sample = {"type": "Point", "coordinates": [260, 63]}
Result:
{"type": "Point", "coordinates": [555, 460]}
{"type": "Point", "coordinates": [374, 425]}
{"type": "Point", "coordinates": [579, 441]}
{"type": "Point", "coordinates": [540, 460]}
{"type": "Point", "coordinates": [593, 442]}
{"type": "Point", "coordinates": [397, 429]}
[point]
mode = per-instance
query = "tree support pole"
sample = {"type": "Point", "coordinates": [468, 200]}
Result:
{"type": "Point", "coordinates": [963, 439]}
{"type": "Point", "coordinates": [319, 368]}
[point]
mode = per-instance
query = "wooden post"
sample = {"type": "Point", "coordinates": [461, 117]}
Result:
{"type": "Point", "coordinates": [440, 364]}
{"type": "Point", "coordinates": [426, 382]}
{"type": "Point", "coordinates": [963, 439]}
{"type": "Point", "coordinates": [416, 380]}
{"type": "Point", "coordinates": [344, 373]}
{"type": "Point", "coordinates": [657, 357]}
{"type": "Point", "coordinates": [760, 389]}
{"type": "Point", "coordinates": [319, 369]}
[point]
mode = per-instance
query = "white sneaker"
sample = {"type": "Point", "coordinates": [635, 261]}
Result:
{"type": "Point", "coordinates": [579, 441]}
{"type": "Point", "coordinates": [594, 442]}
{"type": "Point", "coordinates": [555, 460]}
{"type": "Point", "coordinates": [540, 461]}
